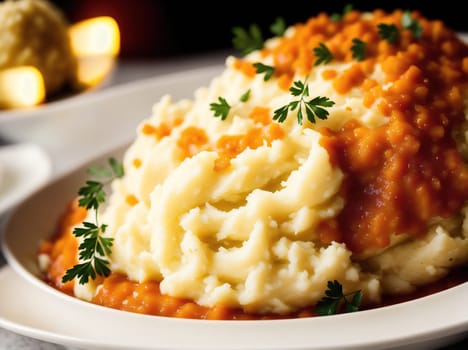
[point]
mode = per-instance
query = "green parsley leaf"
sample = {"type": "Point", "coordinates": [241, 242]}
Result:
{"type": "Point", "coordinates": [245, 96]}
{"type": "Point", "coordinates": [347, 9]}
{"type": "Point", "coordinates": [101, 267]}
{"type": "Point", "coordinates": [263, 68]}
{"type": "Point", "coordinates": [389, 32]}
{"type": "Point", "coordinates": [412, 24]}
{"type": "Point", "coordinates": [99, 172]}
{"type": "Point", "coordinates": [92, 240]}
{"type": "Point", "coordinates": [281, 113]}
{"type": "Point", "coordinates": [313, 108]}
{"type": "Point", "coordinates": [336, 17]}
{"type": "Point", "coordinates": [117, 167]}
{"type": "Point", "coordinates": [299, 88]}
{"type": "Point", "coordinates": [358, 49]}
{"type": "Point", "coordinates": [278, 27]}
{"type": "Point", "coordinates": [355, 302]}
{"type": "Point", "coordinates": [92, 195]}
{"type": "Point", "coordinates": [247, 41]}
{"type": "Point", "coordinates": [334, 298]}
{"type": "Point", "coordinates": [220, 109]}
{"type": "Point", "coordinates": [94, 248]}
{"type": "Point", "coordinates": [83, 271]}
{"type": "Point", "coordinates": [323, 54]}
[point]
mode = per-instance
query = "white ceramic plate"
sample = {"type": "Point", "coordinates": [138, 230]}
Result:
{"type": "Point", "coordinates": [30, 307]}
{"type": "Point", "coordinates": [23, 168]}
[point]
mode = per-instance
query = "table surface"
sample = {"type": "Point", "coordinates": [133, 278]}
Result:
{"type": "Point", "coordinates": [126, 72]}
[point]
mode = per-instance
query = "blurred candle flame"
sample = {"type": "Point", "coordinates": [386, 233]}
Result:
{"type": "Point", "coordinates": [21, 87]}
{"type": "Point", "coordinates": [95, 36]}
{"type": "Point", "coordinates": [95, 42]}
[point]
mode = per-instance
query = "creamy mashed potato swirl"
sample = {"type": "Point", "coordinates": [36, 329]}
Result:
{"type": "Point", "coordinates": [243, 229]}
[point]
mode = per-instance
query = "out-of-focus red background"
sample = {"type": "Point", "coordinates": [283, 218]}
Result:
{"type": "Point", "coordinates": [157, 28]}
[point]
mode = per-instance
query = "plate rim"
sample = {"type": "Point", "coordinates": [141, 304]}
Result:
{"type": "Point", "coordinates": [210, 326]}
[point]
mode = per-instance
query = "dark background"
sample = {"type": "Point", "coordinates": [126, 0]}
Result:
{"type": "Point", "coordinates": [155, 29]}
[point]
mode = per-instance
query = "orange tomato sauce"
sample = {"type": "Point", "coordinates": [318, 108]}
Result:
{"type": "Point", "coordinates": [408, 171]}
{"type": "Point", "coordinates": [119, 292]}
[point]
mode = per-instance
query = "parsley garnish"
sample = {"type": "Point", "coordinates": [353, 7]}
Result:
{"type": "Point", "coordinates": [278, 27]}
{"type": "Point", "coordinates": [336, 17]}
{"type": "Point", "coordinates": [389, 32]}
{"type": "Point", "coordinates": [263, 68]}
{"type": "Point", "coordinates": [358, 49]}
{"type": "Point", "coordinates": [323, 54]}
{"type": "Point", "coordinates": [313, 107]}
{"type": "Point", "coordinates": [335, 298]}
{"type": "Point", "coordinates": [220, 109]}
{"type": "Point", "coordinates": [250, 40]}
{"type": "Point", "coordinates": [245, 96]}
{"type": "Point", "coordinates": [412, 24]}
{"type": "Point", "coordinates": [247, 41]}
{"type": "Point", "coordinates": [116, 169]}
{"type": "Point", "coordinates": [94, 248]}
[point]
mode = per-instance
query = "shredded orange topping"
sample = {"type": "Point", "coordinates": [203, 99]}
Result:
{"type": "Point", "coordinates": [229, 146]}
{"type": "Point", "coordinates": [131, 200]}
{"type": "Point", "coordinates": [285, 81]}
{"type": "Point", "coordinates": [137, 162]}
{"type": "Point", "coordinates": [159, 132]}
{"type": "Point", "coordinates": [191, 141]}
{"type": "Point", "coordinates": [162, 130]}
{"type": "Point", "coordinates": [400, 175]}
{"type": "Point", "coordinates": [245, 67]}
{"type": "Point", "coordinates": [351, 77]}
{"type": "Point", "coordinates": [329, 74]}
{"type": "Point", "coordinates": [261, 115]}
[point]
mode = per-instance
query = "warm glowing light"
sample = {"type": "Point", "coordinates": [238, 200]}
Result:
{"type": "Point", "coordinates": [21, 87]}
{"type": "Point", "coordinates": [95, 36]}
{"type": "Point", "coordinates": [92, 70]}
{"type": "Point", "coordinates": [96, 43]}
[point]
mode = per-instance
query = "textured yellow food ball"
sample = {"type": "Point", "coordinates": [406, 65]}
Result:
{"type": "Point", "coordinates": [35, 32]}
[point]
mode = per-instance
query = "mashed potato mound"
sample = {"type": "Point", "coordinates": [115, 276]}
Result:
{"type": "Point", "coordinates": [35, 33]}
{"type": "Point", "coordinates": [249, 212]}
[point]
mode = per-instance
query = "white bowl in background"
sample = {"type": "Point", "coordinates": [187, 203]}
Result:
{"type": "Point", "coordinates": [23, 168]}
